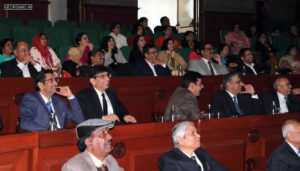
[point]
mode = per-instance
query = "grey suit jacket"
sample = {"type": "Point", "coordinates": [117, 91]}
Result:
{"type": "Point", "coordinates": [198, 65]}
{"type": "Point", "coordinates": [84, 162]}
{"type": "Point", "coordinates": [186, 105]}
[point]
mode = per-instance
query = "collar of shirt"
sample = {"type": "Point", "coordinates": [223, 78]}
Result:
{"type": "Point", "coordinates": [197, 159]}
{"type": "Point", "coordinates": [99, 92]}
{"type": "Point", "coordinates": [95, 160]}
{"type": "Point", "coordinates": [20, 64]}
{"type": "Point", "coordinates": [231, 95]}
{"type": "Point", "coordinates": [252, 67]}
{"type": "Point", "coordinates": [152, 67]}
{"type": "Point", "coordinates": [295, 149]}
{"type": "Point", "coordinates": [205, 60]}
{"type": "Point", "coordinates": [45, 98]}
{"type": "Point", "coordinates": [280, 96]}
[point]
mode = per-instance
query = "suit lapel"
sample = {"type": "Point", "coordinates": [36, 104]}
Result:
{"type": "Point", "coordinates": [147, 68]}
{"type": "Point", "coordinates": [57, 110]}
{"type": "Point", "coordinates": [90, 164]}
{"type": "Point", "coordinates": [96, 101]}
{"type": "Point", "coordinates": [205, 67]}
{"type": "Point", "coordinates": [17, 71]}
{"type": "Point", "coordinates": [45, 111]}
{"type": "Point", "coordinates": [276, 99]}
{"type": "Point", "coordinates": [187, 162]}
{"type": "Point", "coordinates": [230, 103]}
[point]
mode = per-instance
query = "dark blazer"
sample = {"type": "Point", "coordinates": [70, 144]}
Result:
{"type": "Point", "coordinates": [34, 114]}
{"type": "Point", "coordinates": [10, 69]}
{"type": "Point", "coordinates": [175, 160]}
{"type": "Point", "coordinates": [91, 107]}
{"type": "Point", "coordinates": [268, 98]}
{"type": "Point", "coordinates": [143, 69]}
{"type": "Point", "coordinates": [283, 159]}
{"type": "Point", "coordinates": [248, 69]}
{"type": "Point", "coordinates": [223, 103]}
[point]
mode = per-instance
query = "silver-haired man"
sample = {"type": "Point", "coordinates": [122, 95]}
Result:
{"type": "Point", "coordinates": [187, 154]}
{"type": "Point", "coordinates": [287, 155]}
{"type": "Point", "coordinates": [95, 144]}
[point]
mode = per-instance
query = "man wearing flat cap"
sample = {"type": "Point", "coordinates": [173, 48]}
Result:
{"type": "Point", "coordinates": [95, 144]}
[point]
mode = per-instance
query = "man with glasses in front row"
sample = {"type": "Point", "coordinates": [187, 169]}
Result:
{"type": "Point", "coordinates": [100, 101]}
{"type": "Point", "coordinates": [42, 110]}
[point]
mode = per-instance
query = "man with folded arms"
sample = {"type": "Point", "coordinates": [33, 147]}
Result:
{"type": "Point", "coordinates": [187, 154]}
{"type": "Point", "coordinates": [95, 144]}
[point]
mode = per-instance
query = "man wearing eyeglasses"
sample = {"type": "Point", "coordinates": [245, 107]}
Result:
{"type": "Point", "coordinates": [209, 64]}
{"type": "Point", "coordinates": [39, 109]}
{"type": "Point", "coordinates": [100, 101]}
{"type": "Point", "coordinates": [23, 65]}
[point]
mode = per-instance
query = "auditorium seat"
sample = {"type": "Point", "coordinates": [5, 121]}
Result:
{"type": "Point", "coordinates": [126, 51]}
{"type": "Point", "coordinates": [5, 31]}
{"type": "Point", "coordinates": [103, 34]}
{"type": "Point", "coordinates": [93, 35]}
{"type": "Point", "coordinates": [41, 24]}
{"type": "Point", "coordinates": [281, 43]}
{"type": "Point", "coordinates": [12, 21]}
{"type": "Point", "coordinates": [185, 53]}
{"type": "Point", "coordinates": [24, 33]}
{"type": "Point", "coordinates": [97, 26]}
{"type": "Point", "coordinates": [67, 24]}
{"type": "Point", "coordinates": [58, 37]}
{"type": "Point", "coordinates": [63, 52]}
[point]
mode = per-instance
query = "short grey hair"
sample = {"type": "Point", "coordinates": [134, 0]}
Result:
{"type": "Point", "coordinates": [288, 127]}
{"type": "Point", "coordinates": [276, 82]}
{"type": "Point", "coordinates": [179, 131]}
{"type": "Point", "coordinates": [228, 78]}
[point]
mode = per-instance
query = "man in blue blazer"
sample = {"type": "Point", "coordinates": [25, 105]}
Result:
{"type": "Point", "coordinates": [39, 108]}
{"type": "Point", "coordinates": [150, 66]}
{"type": "Point", "coordinates": [287, 156]}
{"type": "Point", "coordinates": [187, 154]}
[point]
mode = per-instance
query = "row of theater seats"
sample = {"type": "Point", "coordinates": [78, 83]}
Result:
{"type": "Point", "coordinates": [62, 35]}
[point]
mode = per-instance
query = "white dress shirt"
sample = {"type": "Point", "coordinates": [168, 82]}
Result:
{"type": "Point", "coordinates": [96, 161]}
{"type": "Point", "coordinates": [46, 100]}
{"type": "Point", "coordinates": [152, 67]}
{"type": "Point", "coordinates": [295, 149]}
{"type": "Point", "coordinates": [252, 67]}
{"type": "Point", "coordinates": [25, 69]}
{"type": "Point", "coordinates": [197, 160]}
{"type": "Point", "coordinates": [282, 103]}
{"type": "Point", "coordinates": [109, 105]}
{"type": "Point", "coordinates": [119, 39]}
{"type": "Point", "coordinates": [206, 61]}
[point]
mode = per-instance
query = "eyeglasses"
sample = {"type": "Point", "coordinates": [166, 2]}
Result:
{"type": "Point", "coordinates": [52, 80]}
{"type": "Point", "coordinates": [103, 76]}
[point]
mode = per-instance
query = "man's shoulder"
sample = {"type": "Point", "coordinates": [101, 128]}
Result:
{"type": "Point", "coordinates": [31, 95]}
{"type": "Point", "coordinates": [85, 92]}
{"type": "Point", "coordinates": [76, 162]}
{"type": "Point", "coordinates": [281, 152]}
{"type": "Point", "coordinates": [170, 155]}
{"type": "Point", "coordinates": [10, 62]}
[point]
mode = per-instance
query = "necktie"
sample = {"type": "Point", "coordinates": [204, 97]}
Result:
{"type": "Point", "coordinates": [236, 105]}
{"type": "Point", "coordinates": [211, 68]}
{"type": "Point", "coordinates": [52, 119]}
{"type": "Point", "coordinates": [102, 168]}
{"type": "Point", "coordinates": [104, 103]}
{"type": "Point", "coordinates": [194, 159]}
{"type": "Point", "coordinates": [49, 106]}
{"type": "Point", "coordinates": [287, 103]}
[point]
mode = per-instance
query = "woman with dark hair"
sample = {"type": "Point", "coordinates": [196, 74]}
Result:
{"type": "Point", "coordinates": [224, 50]}
{"type": "Point", "coordinates": [44, 54]}
{"type": "Point", "coordinates": [136, 53]}
{"type": "Point", "coordinates": [291, 60]}
{"type": "Point", "coordinates": [293, 32]}
{"type": "Point", "coordinates": [120, 39]}
{"type": "Point", "coordinates": [113, 55]}
{"type": "Point", "coordinates": [252, 31]}
{"type": "Point", "coordinates": [171, 58]}
{"type": "Point", "coordinates": [237, 39]}
{"type": "Point", "coordinates": [143, 21]}
{"type": "Point", "coordinates": [6, 50]}
{"type": "Point", "coordinates": [188, 40]}
{"type": "Point", "coordinates": [138, 30]}
{"type": "Point", "coordinates": [78, 56]}
{"type": "Point", "coordinates": [266, 50]}
{"type": "Point", "coordinates": [167, 33]}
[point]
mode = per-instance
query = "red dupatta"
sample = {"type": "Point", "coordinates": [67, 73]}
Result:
{"type": "Point", "coordinates": [36, 42]}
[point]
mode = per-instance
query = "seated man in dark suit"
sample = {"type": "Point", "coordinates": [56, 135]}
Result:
{"type": "Point", "coordinates": [287, 156]}
{"type": "Point", "coordinates": [100, 101]}
{"type": "Point", "coordinates": [150, 66]}
{"type": "Point", "coordinates": [247, 67]}
{"type": "Point", "coordinates": [232, 101]}
{"type": "Point", "coordinates": [96, 57]}
{"type": "Point", "coordinates": [282, 100]}
{"type": "Point", "coordinates": [39, 109]}
{"type": "Point", "coordinates": [187, 154]}
{"type": "Point", "coordinates": [164, 21]}
{"type": "Point", "coordinates": [183, 102]}
{"type": "Point", "coordinates": [23, 65]}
